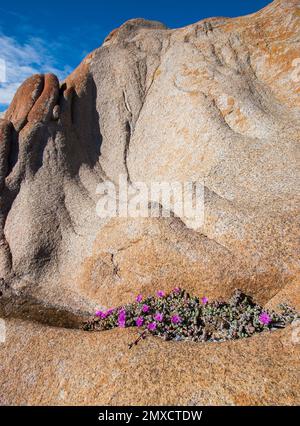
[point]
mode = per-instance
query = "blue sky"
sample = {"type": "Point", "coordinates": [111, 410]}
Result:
{"type": "Point", "coordinates": [54, 36]}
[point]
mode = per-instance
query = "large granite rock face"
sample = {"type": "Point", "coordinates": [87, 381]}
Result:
{"type": "Point", "coordinates": [216, 102]}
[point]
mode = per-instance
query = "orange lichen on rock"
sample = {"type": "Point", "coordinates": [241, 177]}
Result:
{"type": "Point", "coordinates": [43, 107]}
{"type": "Point", "coordinates": [24, 100]}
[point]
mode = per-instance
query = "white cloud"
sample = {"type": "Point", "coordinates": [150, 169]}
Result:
{"type": "Point", "coordinates": [24, 59]}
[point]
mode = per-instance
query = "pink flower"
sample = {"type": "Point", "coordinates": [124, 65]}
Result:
{"type": "Point", "coordinates": [139, 321]}
{"type": "Point", "coordinates": [265, 318]}
{"type": "Point", "coordinates": [152, 326]}
{"type": "Point", "coordinates": [98, 314]}
{"type": "Point", "coordinates": [122, 318]}
{"type": "Point", "coordinates": [145, 308]}
{"type": "Point", "coordinates": [122, 313]}
{"type": "Point", "coordinates": [160, 293]}
{"type": "Point", "coordinates": [204, 300]}
{"type": "Point", "coordinates": [175, 319]}
{"type": "Point", "coordinates": [139, 298]}
{"type": "Point", "coordinates": [176, 290]}
{"type": "Point", "coordinates": [107, 313]}
{"type": "Point", "coordinates": [158, 317]}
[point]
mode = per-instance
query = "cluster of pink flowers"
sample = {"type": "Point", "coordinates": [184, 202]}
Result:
{"type": "Point", "coordinates": [177, 316]}
{"type": "Point", "coordinates": [158, 317]}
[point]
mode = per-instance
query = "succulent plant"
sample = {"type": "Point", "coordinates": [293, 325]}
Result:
{"type": "Point", "coordinates": [179, 316]}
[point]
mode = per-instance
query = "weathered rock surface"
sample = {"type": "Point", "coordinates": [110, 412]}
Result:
{"type": "Point", "coordinates": [56, 366]}
{"type": "Point", "coordinates": [216, 102]}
